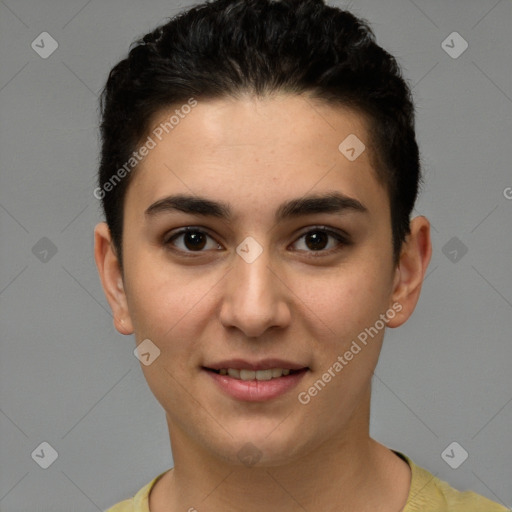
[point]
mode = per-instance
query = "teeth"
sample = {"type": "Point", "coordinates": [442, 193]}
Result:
{"type": "Point", "coordinates": [268, 374]}
{"type": "Point", "coordinates": [247, 374]}
{"type": "Point", "coordinates": [232, 372]}
{"type": "Point", "coordinates": [263, 374]}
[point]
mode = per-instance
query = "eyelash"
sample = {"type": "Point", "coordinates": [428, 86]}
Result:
{"type": "Point", "coordinates": [341, 238]}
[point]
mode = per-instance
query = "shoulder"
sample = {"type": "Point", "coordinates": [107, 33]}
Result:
{"type": "Point", "coordinates": [430, 494]}
{"type": "Point", "coordinates": [139, 502]}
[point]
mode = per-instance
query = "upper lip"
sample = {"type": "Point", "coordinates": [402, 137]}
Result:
{"type": "Point", "coordinates": [263, 364]}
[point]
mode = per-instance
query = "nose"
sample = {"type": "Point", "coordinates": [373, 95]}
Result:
{"type": "Point", "coordinates": [254, 297]}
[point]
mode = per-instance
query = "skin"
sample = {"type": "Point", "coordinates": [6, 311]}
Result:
{"type": "Point", "coordinates": [254, 154]}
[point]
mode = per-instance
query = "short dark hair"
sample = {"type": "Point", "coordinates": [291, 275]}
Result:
{"type": "Point", "coordinates": [227, 48]}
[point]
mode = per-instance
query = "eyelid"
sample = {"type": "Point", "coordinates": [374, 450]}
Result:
{"type": "Point", "coordinates": [336, 232]}
{"type": "Point", "coordinates": [185, 229]}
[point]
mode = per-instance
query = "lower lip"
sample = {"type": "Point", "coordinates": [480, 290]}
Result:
{"type": "Point", "coordinates": [256, 390]}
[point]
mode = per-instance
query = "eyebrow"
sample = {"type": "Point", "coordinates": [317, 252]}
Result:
{"type": "Point", "coordinates": [334, 202]}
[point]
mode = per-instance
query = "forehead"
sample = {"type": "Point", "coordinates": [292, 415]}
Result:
{"type": "Point", "coordinates": [239, 150]}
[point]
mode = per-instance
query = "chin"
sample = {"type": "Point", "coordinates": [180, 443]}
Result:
{"type": "Point", "coordinates": [263, 447]}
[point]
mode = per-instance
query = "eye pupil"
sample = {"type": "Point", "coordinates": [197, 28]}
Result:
{"type": "Point", "coordinates": [194, 240]}
{"type": "Point", "coordinates": [316, 240]}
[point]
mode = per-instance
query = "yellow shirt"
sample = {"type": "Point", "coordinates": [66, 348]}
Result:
{"type": "Point", "coordinates": [427, 494]}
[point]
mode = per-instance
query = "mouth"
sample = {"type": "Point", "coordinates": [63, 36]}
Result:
{"type": "Point", "coordinates": [255, 382]}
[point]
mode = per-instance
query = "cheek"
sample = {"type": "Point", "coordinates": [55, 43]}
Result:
{"type": "Point", "coordinates": [347, 299]}
{"type": "Point", "coordinates": [344, 310]}
{"type": "Point", "coordinates": [168, 308]}
{"type": "Point", "coordinates": [167, 304]}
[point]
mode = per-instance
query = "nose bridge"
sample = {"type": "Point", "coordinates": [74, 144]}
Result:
{"type": "Point", "coordinates": [253, 300]}
{"type": "Point", "coordinates": [253, 278]}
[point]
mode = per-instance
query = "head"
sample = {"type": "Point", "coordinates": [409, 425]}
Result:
{"type": "Point", "coordinates": [243, 108]}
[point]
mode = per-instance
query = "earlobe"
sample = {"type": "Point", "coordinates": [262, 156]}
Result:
{"type": "Point", "coordinates": [111, 278]}
{"type": "Point", "coordinates": [412, 266]}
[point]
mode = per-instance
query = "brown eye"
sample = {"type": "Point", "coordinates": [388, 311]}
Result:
{"type": "Point", "coordinates": [316, 240]}
{"type": "Point", "coordinates": [321, 240]}
{"type": "Point", "coordinates": [194, 240]}
{"type": "Point", "coordinates": [191, 240]}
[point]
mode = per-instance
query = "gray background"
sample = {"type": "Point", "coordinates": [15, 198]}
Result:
{"type": "Point", "coordinates": [69, 379]}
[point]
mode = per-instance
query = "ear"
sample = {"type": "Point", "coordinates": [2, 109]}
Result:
{"type": "Point", "coordinates": [111, 278]}
{"type": "Point", "coordinates": [410, 272]}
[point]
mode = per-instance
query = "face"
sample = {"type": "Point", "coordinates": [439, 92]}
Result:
{"type": "Point", "coordinates": [286, 264]}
